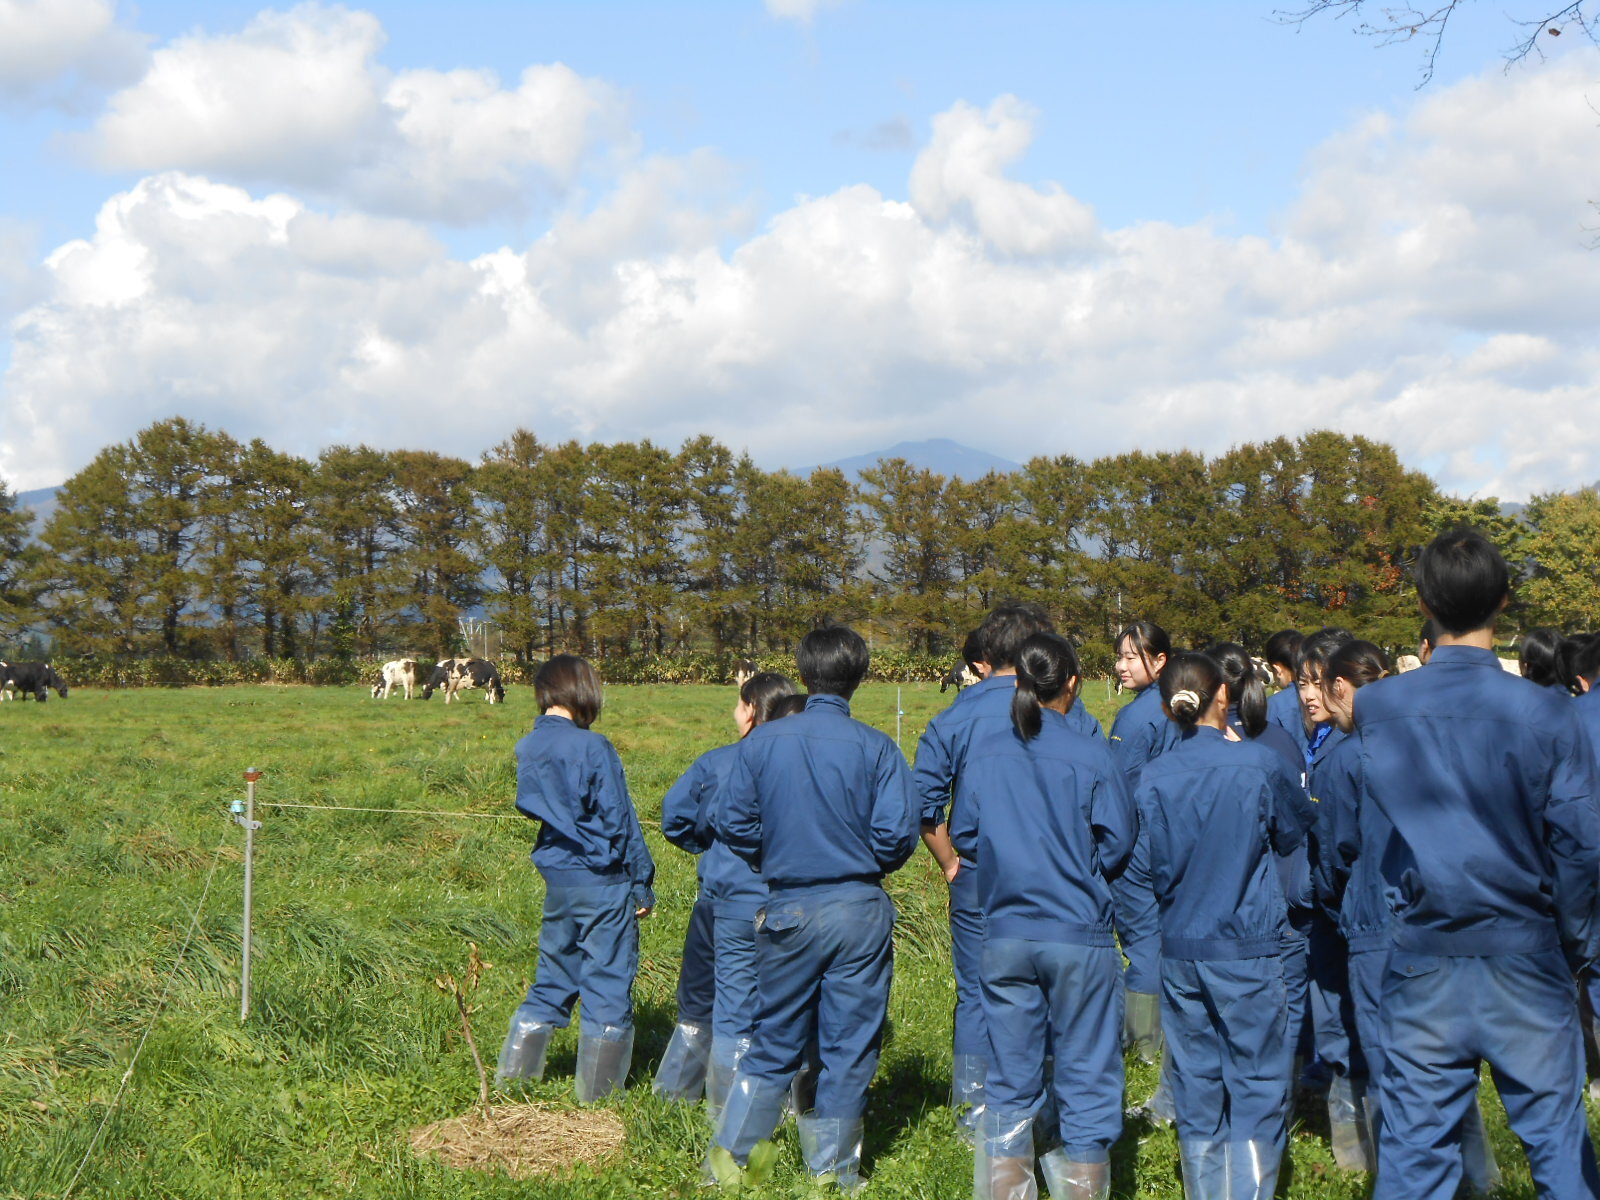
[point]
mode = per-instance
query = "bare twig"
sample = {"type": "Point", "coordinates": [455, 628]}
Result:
{"type": "Point", "coordinates": [1431, 23]}
{"type": "Point", "coordinates": [461, 991]}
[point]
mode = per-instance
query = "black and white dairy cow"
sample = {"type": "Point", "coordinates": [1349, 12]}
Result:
{"type": "Point", "coordinates": [19, 680]}
{"type": "Point", "coordinates": [403, 673]}
{"type": "Point", "coordinates": [457, 675]}
{"type": "Point", "coordinates": [959, 676]}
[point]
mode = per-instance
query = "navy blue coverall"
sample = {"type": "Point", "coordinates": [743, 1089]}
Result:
{"type": "Point", "coordinates": [1484, 827]}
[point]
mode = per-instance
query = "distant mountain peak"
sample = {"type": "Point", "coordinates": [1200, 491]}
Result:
{"type": "Point", "coordinates": [942, 456]}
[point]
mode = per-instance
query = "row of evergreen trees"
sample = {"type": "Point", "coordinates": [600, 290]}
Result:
{"type": "Point", "coordinates": [186, 542]}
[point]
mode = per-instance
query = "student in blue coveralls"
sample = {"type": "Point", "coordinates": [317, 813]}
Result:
{"type": "Point", "coordinates": [1351, 889]}
{"type": "Point", "coordinates": [597, 874]}
{"type": "Point", "coordinates": [1485, 830]}
{"type": "Point", "coordinates": [822, 806]}
{"type": "Point", "coordinates": [1248, 718]}
{"type": "Point", "coordinates": [1139, 734]}
{"type": "Point", "coordinates": [1213, 813]}
{"type": "Point", "coordinates": [732, 890]}
{"type": "Point", "coordinates": [1584, 668]}
{"type": "Point", "coordinates": [1282, 652]}
{"type": "Point", "coordinates": [1337, 1064]}
{"type": "Point", "coordinates": [941, 752]}
{"type": "Point", "coordinates": [1044, 813]}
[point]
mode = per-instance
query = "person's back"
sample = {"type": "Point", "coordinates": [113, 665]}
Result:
{"type": "Point", "coordinates": [1472, 769]}
{"type": "Point", "coordinates": [1479, 808]}
{"type": "Point", "coordinates": [829, 798]}
{"type": "Point", "coordinates": [1208, 804]}
{"type": "Point", "coordinates": [1041, 874]}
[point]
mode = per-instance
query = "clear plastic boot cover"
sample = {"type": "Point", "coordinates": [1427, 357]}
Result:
{"type": "Point", "coordinates": [1069, 1180]}
{"type": "Point", "coordinates": [1160, 1107]}
{"type": "Point", "coordinates": [603, 1062]}
{"type": "Point", "coordinates": [682, 1074]}
{"type": "Point", "coordinates": [968, 1075]}
{"type": "Point", "coordinates": [726, 1054]}
{"type": "Point", "coordinates": [1002, 1161]}
{"type": "Point", "coordinates": [1253, 1167]}
{"type": "Point", "coordinates": [523, 1054]}
{"type": "Point", "coordinates": [1347, 1132]}
{"type": "Point", "coordinates": [752, 1112]}
{"type": "Point", "coordinates": [803, 1091]}
{"type": "Point", "coordinates": [1205, 1169]}
{"type": "Point", "coordinates": [1477, 1156]}
{"type": "Point", "coordinates": [1141, 1025]}
{"type": "Point", "coordinates": [831, 1147]}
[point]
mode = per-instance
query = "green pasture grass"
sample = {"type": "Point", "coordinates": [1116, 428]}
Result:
{"type": "Point", "coordinates": [115, 813]}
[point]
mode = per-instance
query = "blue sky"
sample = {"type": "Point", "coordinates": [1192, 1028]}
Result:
{"type": "Point", "coordinates": [1030, 227]}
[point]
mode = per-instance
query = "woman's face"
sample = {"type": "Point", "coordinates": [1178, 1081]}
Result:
{"type": "Point", "coordinates": [1134, 669]}
{"type": "Point", "coordinates": [1311, 697]}
{"type": "Point", "coordinates": [744, 717]}
{"type": "Point", "coordinates": [1338, 701]}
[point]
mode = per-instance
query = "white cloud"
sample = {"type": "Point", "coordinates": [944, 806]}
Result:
{"type": "Point", "coordinates": [802, 12]}
{"type": "Point", "coordinates": [60, 51]}
{"type": "Point", "coordinates": [1408, 297]}
{"type": "Point", "coordinates": [298, 99]}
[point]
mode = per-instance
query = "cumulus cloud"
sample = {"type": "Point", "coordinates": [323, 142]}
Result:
{"type": "Point", "coordinates": [299, 99]}
{"type": "Point", "coordinates": [1411, 294]}
{"type": "Point", "coordinates": [60, 52]}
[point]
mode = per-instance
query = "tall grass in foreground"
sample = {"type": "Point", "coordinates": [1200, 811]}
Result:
{"type": "Point", "coordinates": [115, 809]}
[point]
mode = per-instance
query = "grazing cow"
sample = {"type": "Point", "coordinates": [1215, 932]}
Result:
{"type": "Point", "coordinates": [401, 673]}
{"type": "Point", "coordinates": [959, 676]}
{"type": "Point", "coordinates": [1407, 662]}
{"type": "Point", "coordinates": [1263, 671]}
{"type": "Point", "coordinates": [457, 675]}
{"type": "Point", "coordinates": [31, 679]}
{"type": "Point", "coordinates": [743, 672]}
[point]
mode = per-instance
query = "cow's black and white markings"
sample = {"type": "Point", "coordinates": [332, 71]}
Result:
{"type": "Point", "coordinates": [457, 675]}
{"type": "Point", "coordinates": [959, 676]}
{"type": "Point", "coordinates": [24, 679]}
{"type": "Point", "coordinates": [403, 673]}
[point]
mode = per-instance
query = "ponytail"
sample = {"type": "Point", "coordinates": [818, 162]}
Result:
{"type": "Point", "coordinates": [1189, 686]}
{"type": "Point", "coordinates": [1245, 688]}
{"type": "Point", "coordinates": [1046, 664]}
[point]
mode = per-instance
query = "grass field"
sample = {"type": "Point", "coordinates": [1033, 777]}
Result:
{"type": "Point", "coordinates": [115, 817]}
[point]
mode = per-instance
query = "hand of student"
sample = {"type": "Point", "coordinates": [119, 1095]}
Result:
{"type": "Point", "coordinates": [952, 870]}
{"type": "Point", "coordinates": [642, 913]}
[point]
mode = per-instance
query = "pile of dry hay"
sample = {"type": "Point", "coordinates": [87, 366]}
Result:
{"type": "Point", "coordinates": [523, 1140]}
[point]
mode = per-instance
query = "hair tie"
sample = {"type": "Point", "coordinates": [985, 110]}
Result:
{"type": "Point", "coordinates": [1188, 697]}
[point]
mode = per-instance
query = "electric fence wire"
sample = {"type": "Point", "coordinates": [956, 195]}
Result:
{"type": "Point", "coordinates": [361, 808]}
{"type": "Point", "coordinates": [161, 1004]}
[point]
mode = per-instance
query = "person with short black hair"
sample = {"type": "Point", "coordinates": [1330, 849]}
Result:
{"type": "Point", "coordinates": [708, 1042]}
{"type": "Point", "coordinates": [598, 874]}
{"type": "Point", "coordinates": [1542, 659]}
{"type": "Point", "coordinates": [1427, 639]}
{"type": "Point", "coordinates": [1213, 814]}
{"type": "Point", "coordinates": [1282, 653]}
{"type": "Point", "coordinates": [822, 806]}
{"type": "Point", "coordinates": [1045, 815]}
{"type": "Point", "coordinates": [1466, 765]}
{"type": "Point", "coordinates": [1352, 890]}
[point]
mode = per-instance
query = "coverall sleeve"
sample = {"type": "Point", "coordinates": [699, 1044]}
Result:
{"type": "Point", "coordinates": [1290, 812]}
{"type": "Point", "coordinates": [933, 773]}
{"type": "Point", "coordinates": [1114, 819]}
{"type": "Point", "coordinates": [1338, 837]}
{"type": "Point", "coordinates": [735, 812]}
{"type": "Point", "coordinates": [1132, 745]}
{"type": "Point", "coordinates": [895, 823]}
{"type": "Point", "coordinates": [1572, 838]}
{"type": "Point", "coordinates": [630, 835]}
{"type": "Point", "coordinates": [681, 810]}
{"type": "Point", "coordinates": [965, 816]}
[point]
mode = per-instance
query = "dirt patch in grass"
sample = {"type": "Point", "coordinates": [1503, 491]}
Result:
{"type": "Point", "coordinates": [523, 1140]}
